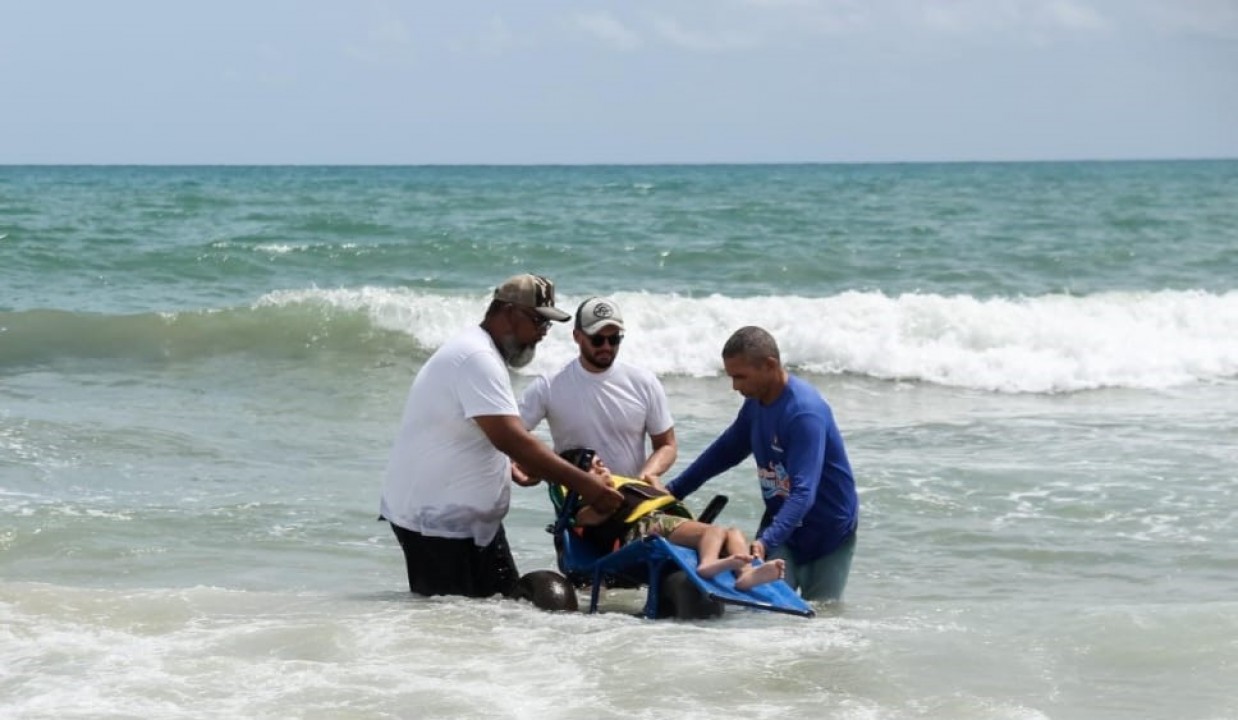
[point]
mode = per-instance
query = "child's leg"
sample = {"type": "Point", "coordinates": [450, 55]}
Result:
{"type": "Point", "coordinates": [708, 541]}
{"type": "Point", "coordinates": [736, 543]}
{"type": "Point", "coordinates": [754, 575]}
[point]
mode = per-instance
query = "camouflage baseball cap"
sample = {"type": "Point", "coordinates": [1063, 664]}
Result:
{"type": "Point", "coordinates": [531, 291]}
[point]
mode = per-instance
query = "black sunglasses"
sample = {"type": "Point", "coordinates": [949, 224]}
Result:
{"type": "Point", "coordinates": [598, 341]}
{"type": "Point", "coordinates": [539, 320]}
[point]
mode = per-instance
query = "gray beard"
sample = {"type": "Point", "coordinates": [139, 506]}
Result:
{"type": "Point", "coordinates": [515, 354]}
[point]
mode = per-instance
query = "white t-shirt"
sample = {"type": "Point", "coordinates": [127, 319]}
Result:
{"type": "Point", "coordinates": [610, 411]}
{"type": "Point", "coordinates": [444, 477]}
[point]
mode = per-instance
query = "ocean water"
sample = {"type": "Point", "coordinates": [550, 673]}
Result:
{"type": "Point", "coordinates": [1035, 367]}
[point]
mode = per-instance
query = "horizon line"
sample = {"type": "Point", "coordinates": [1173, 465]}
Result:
{"type": "Point", "coordinates": [754, 163]}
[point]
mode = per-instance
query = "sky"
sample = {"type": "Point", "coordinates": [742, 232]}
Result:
{"type": "Point", "coordinates": [615, 81]}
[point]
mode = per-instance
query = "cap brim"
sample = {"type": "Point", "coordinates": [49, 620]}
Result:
{"type": "Point", "coordinates": [598, 326]}
{"type": "Point", "coordinates": [553, 313]}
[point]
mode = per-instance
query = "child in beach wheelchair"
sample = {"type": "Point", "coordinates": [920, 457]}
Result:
{"type": "Point", "coordinates": [650, 510]}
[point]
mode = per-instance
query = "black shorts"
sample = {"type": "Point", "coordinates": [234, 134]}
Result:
{"type": "Point", "coordinates": [457, 566]}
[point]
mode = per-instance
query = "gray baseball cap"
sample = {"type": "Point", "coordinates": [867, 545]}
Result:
{"type": "Point", "coordinates": [597, 313]}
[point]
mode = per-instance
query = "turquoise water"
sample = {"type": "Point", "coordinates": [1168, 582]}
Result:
{"type": "Point", "coordinates": [1035, 367]}
{"type": "Point", "coordinates": [987, 230]}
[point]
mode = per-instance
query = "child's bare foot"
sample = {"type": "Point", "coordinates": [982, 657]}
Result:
{"type": "Point", "coordinates": [714, 567]}
{"type": "Point", "coordinates": [768, 571]}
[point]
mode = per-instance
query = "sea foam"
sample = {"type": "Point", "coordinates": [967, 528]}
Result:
{"type": "Point", "coordinates": [1043, 344]}
{"type": "Point", "coordinates": [1050, 343]}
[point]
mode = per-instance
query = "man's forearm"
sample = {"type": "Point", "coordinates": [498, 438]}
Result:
{"type": "Point", "coordinates": [660, 461]}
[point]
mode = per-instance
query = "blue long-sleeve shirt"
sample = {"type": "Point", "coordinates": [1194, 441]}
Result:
{"type": "Point", "coordinates": [806, 482]}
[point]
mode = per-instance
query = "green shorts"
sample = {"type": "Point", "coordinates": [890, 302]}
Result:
{"type": "Point", "coordinates": [655, 523]}
{"type": "Point", "coordinates": [822, 579]}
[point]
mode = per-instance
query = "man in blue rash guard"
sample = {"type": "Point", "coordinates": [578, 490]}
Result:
{"type": "Point", "coordinates": [811, 507]}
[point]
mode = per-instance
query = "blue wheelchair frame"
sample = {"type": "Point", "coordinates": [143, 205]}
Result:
{"type": "Point", "coordinates": [646, 561]}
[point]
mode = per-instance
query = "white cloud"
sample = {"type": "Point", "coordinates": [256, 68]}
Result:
{"type": "Point", "coordinates": [1073, 16]}
{"type": "Point", "coordinates": [1030, 19]}
{"type": "Point", "coordinates": [497, 37]}
{"type": "Point", "coordinates": [386, 40]}
{"type": "Point", "coordinates": [781, 3]}
{"type": "Point", "coordinates": [969, 16]}
{"type": "Point", "coordinates": [1208, 18]}
{"type": "Point", "coordinates": [605, 27]}
{"type": "Point", "coordinates": [840, 18]}
{"type": "Point", "coordinates": [494, 37]}
{"type": "Point", "coordinates": [670, 30]}
{"type": "Point", "coordinates": [814, 17]}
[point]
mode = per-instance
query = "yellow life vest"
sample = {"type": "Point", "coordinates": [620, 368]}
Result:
{"type": "Point", "coordinates": [639, 498]}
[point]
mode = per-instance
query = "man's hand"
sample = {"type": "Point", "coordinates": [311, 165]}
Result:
{"type": "Point", "coordinates": [757, 549]}
{"type": "Point", "coordinates": [521, 478]}
{"type": "Point", "coordinates": [509, 437]}
{"type": "Point", "coordinates": [652, 479]}
{"type": "Point", "coordinates": [588, 516]}
{"type": "Point", "coordinates": [605, 500]}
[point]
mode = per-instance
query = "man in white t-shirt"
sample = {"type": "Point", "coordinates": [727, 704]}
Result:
{"type": "Point", "coordinates": [597, 401]}
{"type": "Point", "coordinates": [447, 488]}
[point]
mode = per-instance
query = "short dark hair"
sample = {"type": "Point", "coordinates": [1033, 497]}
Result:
{"type": "Point", "coordinates": [753, 343]}
{"type": "Point", "coordinates": [580, 457]}
{"type": "Point", "coordinates": [581, 308]}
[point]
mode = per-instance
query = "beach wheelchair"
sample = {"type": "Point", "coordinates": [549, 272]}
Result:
{"type": "Point", "coordinates": [675, 589]}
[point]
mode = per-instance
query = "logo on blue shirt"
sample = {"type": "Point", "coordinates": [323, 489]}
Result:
{"type": "Point", "coordinates": [775, 482]}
